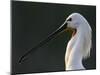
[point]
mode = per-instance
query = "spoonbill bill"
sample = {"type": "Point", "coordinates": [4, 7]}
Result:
{"type": "Point", "coordinates": [78, 47]}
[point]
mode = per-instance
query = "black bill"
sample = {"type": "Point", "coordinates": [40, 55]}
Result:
{"type": "Point", "coordinates": [51, 36]}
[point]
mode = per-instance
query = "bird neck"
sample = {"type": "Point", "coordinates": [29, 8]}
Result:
{"type": "Point", "coordinates": [73, 56]}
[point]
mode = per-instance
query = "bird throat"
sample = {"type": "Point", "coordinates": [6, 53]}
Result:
{"type": "Point", "coordinates": [72, 30]}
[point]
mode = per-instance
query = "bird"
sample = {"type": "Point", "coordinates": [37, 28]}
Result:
{"type": "Point", "coordinates": [78, 47]}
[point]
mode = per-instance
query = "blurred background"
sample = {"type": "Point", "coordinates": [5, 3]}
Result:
{"type": "Point", "coordinates": [34, 21]}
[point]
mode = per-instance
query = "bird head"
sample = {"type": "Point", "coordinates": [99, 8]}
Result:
{"type": "Point", "coordinates": [75, 20]}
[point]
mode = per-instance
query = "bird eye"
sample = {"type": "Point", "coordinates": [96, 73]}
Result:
{"type": "Point", "coordinates": [70, 19]}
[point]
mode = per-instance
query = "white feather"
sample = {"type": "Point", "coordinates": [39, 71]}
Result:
{"type": "Point", "coordinates": [80, 44]}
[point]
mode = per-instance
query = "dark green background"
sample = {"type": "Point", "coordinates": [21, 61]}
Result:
{"type": "Point", "coordinates": [34, 21]}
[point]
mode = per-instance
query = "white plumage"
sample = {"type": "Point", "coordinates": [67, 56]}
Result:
{"type": "Point", "coordinates": [79, 45]}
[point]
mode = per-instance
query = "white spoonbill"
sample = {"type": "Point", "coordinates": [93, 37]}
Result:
{"type": "Point", "coordinates": [78, 47]}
